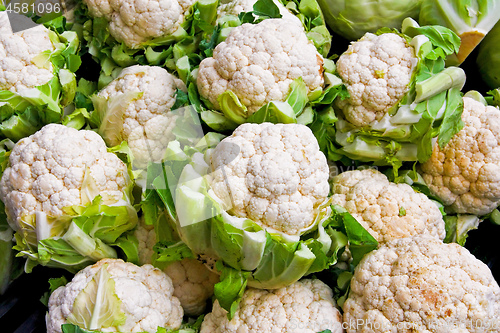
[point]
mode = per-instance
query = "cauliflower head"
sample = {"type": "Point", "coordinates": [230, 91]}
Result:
{"type": "Point", "coordinates": [19, 68]}
{"type": "Point", "coordinates": [307, 306]}
{"type": "Point", "coordinates": [377, 71]}
{"type": "Point", "coordinates": [145, 122]}
{"type": "Point", "coordinates": [421, 284]}
{"type": "Point", "coordinates": [278, 178]}
{"type": "Point", "coordinates": [57, 167]}
{"type": "Point", "coordinates": [135, 22]}
{"type": "Point", "coordinates": [145, 293]}
{"type": "Point", "coordinates": [258, 62]}
{"type": "Point", "coordinates": [465, 174]}
{"type": "Point", "coordinates": [193, 282]}
{"type": "Point", "coordinates": [386, 210]}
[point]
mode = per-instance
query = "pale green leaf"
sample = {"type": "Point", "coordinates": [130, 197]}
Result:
{"type": "Point", "coordinates": [97, 306]}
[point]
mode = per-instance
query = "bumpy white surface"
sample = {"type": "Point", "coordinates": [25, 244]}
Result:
{"type": "Point", "coordinates": [376, 71]}
{"type": "Point", "coordinates": [17, 51]}
{"type": "Point", "coordinates": [147, 121]}
{"type": "Point", "coordinates": [46, 172]}
{"type": "Point", "coordinates": [386, 210]}
{"type": "Point", "coordinates": [421, 284]}
{"type": "Point", "coordinates": [146, 237]}
{"type": "Point", "coordinates": [193, 281]}
{"type": "Point", "coordinates": [465, 174]}
{"type": "Point", "coordinates": [146, 295]}
{"type": "Point", "coordinates": [135, 21]}
{"type": "Point", "coordinates": [278, 176]}
{"type": "Point", "coordinates": [258, 62]}
{"type": "Point", "coordinates": [193, 284]}
{"type": "Point", "coordinates": [306, 306]}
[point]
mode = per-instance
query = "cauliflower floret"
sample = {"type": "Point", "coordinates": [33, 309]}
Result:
{"type": "Point", "coordinates": [258, 62]}
{"type": "Point", "coordinates": [420, 284]}
{"type": "Point", "coordinates": [145, 292]}
{"type": "Point", "coordinates": [147, 122]}
{"type": "Point", "coordinates": [306, 306]}
{"type": "Point", "coordinates": [193, 284]}
{"type": "Point", "coordinates": [386, 210]}
{"type": "Point", "coordinates": [465, 174]}
{"type": "Point", "coordinates": [376, 71]}
{"type": "Point", "coordinates": [18, 51]}
{"type": "Point", "coordinates": [235, 7]}
{"type": "Point", "coordinates": [146, 237]}
{"type": "Point", "coordinates": [48, 169]}
{"type": "Point", "coordinates": [135, 22]}
{"type": "Point", "coordinates": [278, 178]}
{"type": "Point", "coordinates": [193, 281]}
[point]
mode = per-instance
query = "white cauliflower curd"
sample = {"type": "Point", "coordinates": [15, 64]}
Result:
{"type": "Point", "coordinates": [465, 174]}
{"type": "Point", "coordinates": [278, 178]}
{"type": "Point", "coordinates": [136, 109]}
{"type": "Point", "coordinates": [258, 62]}
{"type": "Point", "coordinates": [59, 167]}
{"type": "Point", "coordinates": [421, 284]}
{"type": "Point", "coordinates": [135, 22]}
{"type": "Point", "coordinates": [386, 210]}
{"type": "Point", "coordinates": [377, 72]}
{"type": "Point", "coordinates": [19, 67]}
{"type": "Point", "coordinates": [307, 306]}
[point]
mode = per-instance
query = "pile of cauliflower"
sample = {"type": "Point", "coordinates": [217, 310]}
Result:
{"type": "Point", "coordinates": [166, 224]}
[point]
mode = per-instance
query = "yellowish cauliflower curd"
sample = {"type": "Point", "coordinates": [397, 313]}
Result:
{"type": "Point", "coordinates": [48, 169]}
{"type": "Point", "coordinates": [278, 178]}
{"type": "Point", "coordinates": [147, 122]}
{"type": "Point", "coordinates": [376, 71]}
{"type": "Point", "coordinates": [135, 22]}
{"type": "Point", "coordinates": [465, 174]}
{"type": "Point", "coordinates": [307, 306]}
{"type": "Point", "coordinates": [18, 52]}
{"type": "Point", "coordinates": [421, 284]}
{"type": "Point", "coordinates": [145, 292]}
{"type": "Point", "coordinates": [258, 62]}
{"type": "Point", "coordinates": [193, 281]}
{"type": "Point", "coordinates": [386, 210]}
